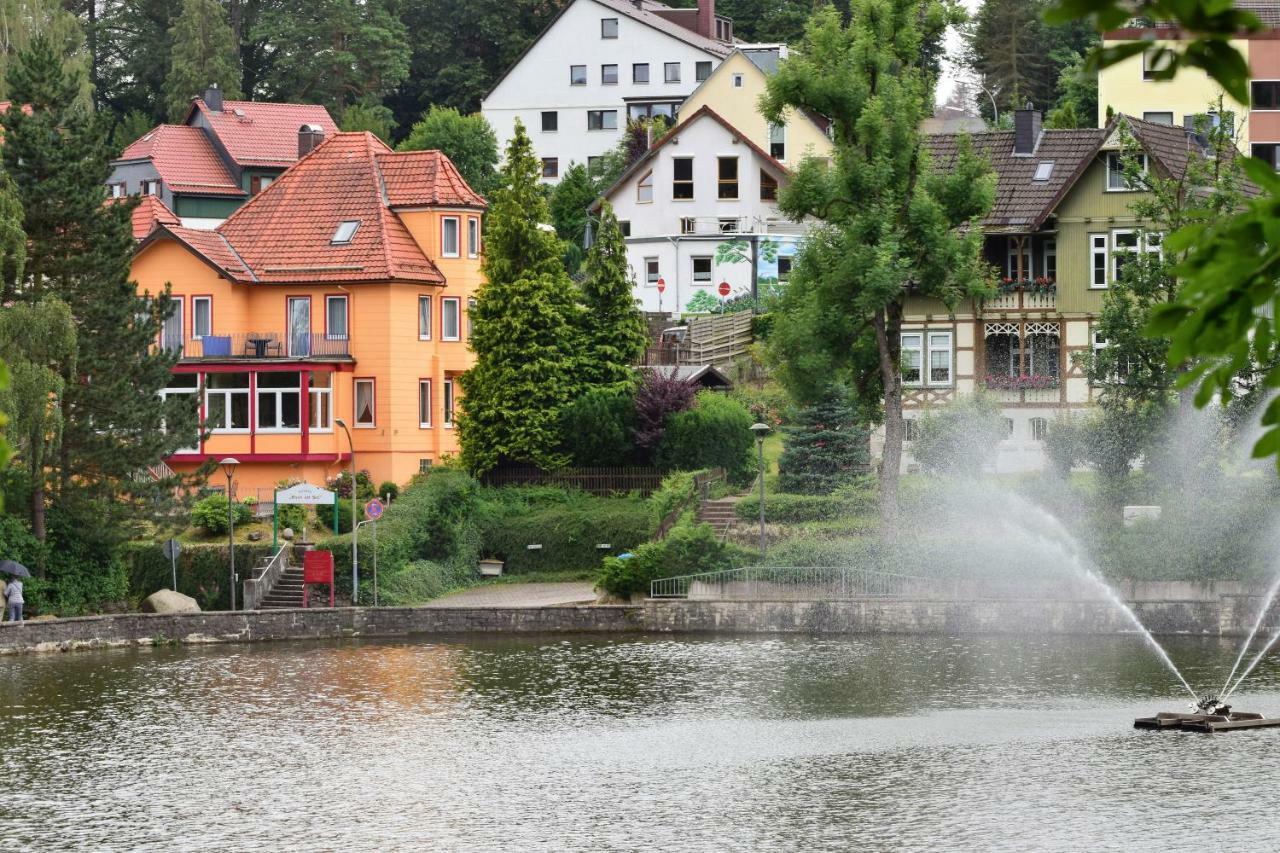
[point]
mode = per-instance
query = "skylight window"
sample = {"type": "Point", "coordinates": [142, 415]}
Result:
{"type": "Point", "coordinates": [1044, 171]}
{"type": "Point", "coordinates": [346, 231]}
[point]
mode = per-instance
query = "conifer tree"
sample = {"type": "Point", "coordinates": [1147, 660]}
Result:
{"type": "Point", "coordinates": [204, 53]}
{"type": "Point", "coordinates": [525, 334]}
{"type": "Point", "coordinates": [79, 251]}
{"type": "Point", "coordinates": [825, 448]}
{"type": "Point", "coordinates": [613, 329]}
{"type": "Point", "coordinates": [890, 224]}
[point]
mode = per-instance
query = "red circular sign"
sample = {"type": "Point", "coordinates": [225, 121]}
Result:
{"type": "Point", "coordinates": [662, 284]}
{"type": "Point", "coordinates": [724, 288]}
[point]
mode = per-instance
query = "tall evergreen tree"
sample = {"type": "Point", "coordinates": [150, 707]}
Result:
{"type": "Point", "coordinates": [825, 448]}
{"type": "Point", "coordinates": [528, 350]}
{"type": "Point", "coordinates": [890, 224]}
{"type": "Point", "coordinates": [568, 203]}
{"type": "Point", "coordinates": [204, 52]}
{"type": "Point", "coordinates": [79, 250]}
{"type": "Point", "coordinates": [334, 52]}
{"type": "Point", "coordinates": [613, 329]}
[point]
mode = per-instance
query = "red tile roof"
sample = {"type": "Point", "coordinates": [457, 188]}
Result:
{"type": "Point", "coordinates": [185, 159]}
{"type": "Point", "coordinates": [150, 212]}
{"type": "Point", "coordinates": [425, 178]}
{"type": "Point", "coordinates": [209, 246]}
{"type": "Point", "coordinates": [260, 133]}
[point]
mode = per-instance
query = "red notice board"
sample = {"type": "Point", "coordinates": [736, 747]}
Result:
{"type": "Point", "coordinates": [317, 568]}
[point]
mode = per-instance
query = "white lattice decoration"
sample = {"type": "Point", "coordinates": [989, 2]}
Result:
{"type": "Point", "coordinates": [1043, 329]}
{"type": "Point", "coordinates": [1001, 329]}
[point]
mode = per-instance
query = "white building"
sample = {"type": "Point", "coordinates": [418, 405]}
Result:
{"type": "Point", "coordinates": [598, 63]}
{"type": "Point", "coordinates": [700, 212]}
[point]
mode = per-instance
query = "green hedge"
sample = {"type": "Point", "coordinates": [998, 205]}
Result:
{"type": "Point", "coordinates": [715, 433]}
{"type": "Point", "coordinates": [203, 571]}
{"type": "Point", "coordinates": [689, 549]}
{"type": "Point", "coordinates": [568, 527]}
{"type": "Point", "coordinates": [782, 508]}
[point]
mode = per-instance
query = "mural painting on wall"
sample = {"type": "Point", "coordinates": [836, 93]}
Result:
{"type": "Point", "coordinates": [773, 269]}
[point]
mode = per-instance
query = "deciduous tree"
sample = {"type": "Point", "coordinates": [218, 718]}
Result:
{"type": "Point", "coordinates": [467, 140]}
{"type": "Point", "coordinates": [889, 224]}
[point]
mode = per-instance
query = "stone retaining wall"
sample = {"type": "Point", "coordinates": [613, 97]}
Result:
{"type": "Point", "coordinates": [1227, 616]}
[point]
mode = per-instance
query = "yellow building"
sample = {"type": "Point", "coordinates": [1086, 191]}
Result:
{"type": "Point", "coordinates": [340, 294]}
{"type": "Point", "coordinates": [733, 91]}
{"type": "Point", "coordinates": [1129, 87]}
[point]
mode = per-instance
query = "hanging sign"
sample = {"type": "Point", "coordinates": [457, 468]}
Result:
{"type": "Point", "coordinates": [306, 495]}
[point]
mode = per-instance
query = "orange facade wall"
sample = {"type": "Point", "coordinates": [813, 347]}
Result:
{"type": "Point", "coordinates": [385, 346]}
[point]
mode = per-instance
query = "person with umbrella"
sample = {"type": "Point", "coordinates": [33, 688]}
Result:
{"type": "Point", "coordinates": [13, 591]}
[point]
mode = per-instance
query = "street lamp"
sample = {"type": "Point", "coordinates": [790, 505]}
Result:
{"type": "Point", "coordinates": [355, 527]}
{"type": "Point", "coordinates": [761, 430]}
{"type": "Point", "coordinates": [229, 468]}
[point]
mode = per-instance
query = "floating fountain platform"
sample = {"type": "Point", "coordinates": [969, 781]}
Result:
{"type": "Point", "coordinates": [1206, 722]}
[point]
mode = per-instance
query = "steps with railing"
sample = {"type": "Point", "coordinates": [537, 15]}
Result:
{"type": "Point", "coordinates": [265, 579]}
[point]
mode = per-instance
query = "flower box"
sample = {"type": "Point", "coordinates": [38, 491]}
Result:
{"type": "Point", "coordinates": [998, 382]}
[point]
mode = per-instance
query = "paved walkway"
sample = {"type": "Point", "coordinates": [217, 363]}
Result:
{"type": "Point", "coordinates": [520, 595]}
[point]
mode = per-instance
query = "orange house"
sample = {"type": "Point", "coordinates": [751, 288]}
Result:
{"type": "Point", "coordinates": [341, 292]}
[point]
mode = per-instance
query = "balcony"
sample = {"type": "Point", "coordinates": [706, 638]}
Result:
{"type": "Point", "coordinates": [264, 346]}
{"type": "Point", "coordinates": [1039, 295]}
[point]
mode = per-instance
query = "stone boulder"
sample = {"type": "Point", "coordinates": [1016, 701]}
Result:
{"type": "Point", "coordinates": [168, 601]}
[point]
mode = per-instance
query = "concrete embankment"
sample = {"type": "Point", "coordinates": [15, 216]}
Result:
{"type": "Point", "coordinates": [1197, 614]}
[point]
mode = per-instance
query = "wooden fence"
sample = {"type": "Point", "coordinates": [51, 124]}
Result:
{"type": "Point", "coordinates": [712, 339]}
{"type": "Point", "coordinates": [596, 481]}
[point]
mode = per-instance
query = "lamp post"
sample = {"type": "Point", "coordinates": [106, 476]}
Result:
{"type": "Point", "coordinates": [229, 468]}
{"type": "Point", "coordinates": [761, 430]}
{"type": "Point", "coordinates": [355, 527]}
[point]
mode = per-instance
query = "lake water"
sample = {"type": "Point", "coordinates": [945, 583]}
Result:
{"type": "Point", "coordinates": [754, 743]}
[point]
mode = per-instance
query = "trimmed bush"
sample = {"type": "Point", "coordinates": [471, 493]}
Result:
{"type": "Point", "coordinates": [203, 571]}
{"type": "Point", "coordinates": [715, 433]}
{"type": "Point", "coordinates": [598, 428]}
{"type": "Point", "coordinates": [569, 530]}
{"type": "Point", "coordinates": [419, 581]}
{"type": "Point", "coordinates": [292, 515]}
{"type": "Point", "coordinates": [388, 489]}
{"type": "Point", "coordinates": [210, 513]}
{"type": "Point", "coordinates": [689, 549]}
{"type": "Point", "coordinates": [793, 509]}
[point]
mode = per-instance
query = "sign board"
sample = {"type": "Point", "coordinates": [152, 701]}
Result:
{"type": "Point", "coordinates": [724, 288]}
{"type": "Point", "coordinates": [662, 285]}
{"type": "Point", "coordinates": [305, 494]}
{"type": "Point", "coordinates": [317, 567]}
{"type": "Point", "coordinates": [171, 549]}
{"type": "Point", "coordinates": [373, 509]}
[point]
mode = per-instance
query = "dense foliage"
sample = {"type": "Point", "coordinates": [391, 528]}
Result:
{"type": "Point", "coordinates": [597, 429]}
{"type": "Point", "coordinates": [212, 514]}
{"type": "Point", "coordinates": [826, 446]}
{"type": "Point", "coordinates": [689, 549]}
{"type": "Point", "coordinates": [467, 140]}
{"type": "Point", "coordinates": [713, 433]}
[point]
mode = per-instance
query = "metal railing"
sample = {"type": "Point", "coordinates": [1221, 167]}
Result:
{"type": "Point", "coordinates": [267, 345]}
{"type": "Point", "coordinates": [793, 583]}
{"type": "Point", "coordinates": [258, 587]}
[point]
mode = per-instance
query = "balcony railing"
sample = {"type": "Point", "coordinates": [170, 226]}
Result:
{"type": "Point", "coordinates": [1029, 297]}
{"type": "Point", "coordinates": [266, 345]}
{"type": "Point", "coordinates": [1024, 389]}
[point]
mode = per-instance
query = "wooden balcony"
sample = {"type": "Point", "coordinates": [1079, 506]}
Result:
{"type": "Point", "coordinates": [1023, 299]}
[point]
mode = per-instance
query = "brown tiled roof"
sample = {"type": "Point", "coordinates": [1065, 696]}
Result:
{"type": "Point", "coordinates": [185, 159]}
{"type": "Point", "coordinates": [1172, 149]}
{"type": "Point", "coordinates": [1022, 203]}
{"type": "Point", "coordinates": [149, 213]}
{"type": "Point", "coordinates": [261, 133]}
{"type": "Point", "coordinates": [424, 178]}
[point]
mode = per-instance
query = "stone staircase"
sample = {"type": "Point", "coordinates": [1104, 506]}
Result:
{"type": "Point", "coordinates": [287, 591]}
{"type": "Point", "coordinates": [719, 514]}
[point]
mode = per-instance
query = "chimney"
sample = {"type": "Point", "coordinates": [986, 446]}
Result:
{"type": "Point", "coordinates": [309, 136]}
{"type": "Point", "coordinates": [1026, 129]}
{"type": "Point", "coordinates": [707, 18]}
{"type": "Point", "coordinates": [213, 98]}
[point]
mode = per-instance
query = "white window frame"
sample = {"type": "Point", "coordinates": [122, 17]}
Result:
{"type": "Point", "coordinates": [196, 333]}
{"type": "Point", "coordinates": [473, 237]}
{"type": "Point", "coordinates": [169, 391]}
{"type": "Point", "coordinates": [329, 333]}
{"type": "Point", "coordinates": [1146, 243]}
{"type": "Point", "coordinates": [1147, 113]}
{"type": "Point", "coordinates": [1115, 165]}
{"type": "Point", "coordinates": [424, 320]}
{"type": "Point", "coordinates": [227, 394]}
{"type": "Point", "coordinates": [1038, 427]}
{"type": "Point", "coordinates": [644, 188]}
{"type": "Point", "coordinates": [693, 268]}
{"type": "Point", "coordinates": [779, 130]}
{"type": "Point", "coordinates": [606, 116]}
{"type": "Point", "coordinates": [911, 342]}
{"type": "Point", "coordinates": [934, 349]}
{"type": "Point", "coordinates": [652, 272]}
{"type": "Point", "coordinates": [737, 81]}
{"type": "Point", "coordinates": [1099, 247]}
{"type": "Point", "coordinates": [448, 404]}
{"type": "Point", "coordinates": [1149, 67]}
{"type": "Point", "coordinates": [355, 402]}
{"type": "Point", "coordinates": [151, 186]}
{"type": "Point", "coordinates": [456, 252]}
{"type": "Point", "coordinates": [424, 395]}
{"type": "Point", "coordinates": [446, 303]}
{"type": "Point", "coordinates": [316, 393]}
{"type": "Point", "coordinates": [168, 342]}
{"type": "Point", "coordinates": [604, 79]}
{"type": "Point", "coordinates": [1049, 249]}
{"type": "Point", "coordinates": [278, 428]}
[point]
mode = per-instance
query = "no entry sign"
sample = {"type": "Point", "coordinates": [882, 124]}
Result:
{"type": "Point", "coordinates": [662, 284]}
{"type": "Point", "coordinates": [724, 288]}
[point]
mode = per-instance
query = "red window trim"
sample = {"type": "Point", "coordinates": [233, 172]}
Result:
{"type": "Point", "coordinates": [355, 420]}
{"type": "Point", "coordinates": [458, 301]}
{"type": "Point", "coordinates": [311, 319]}
{"type": "Point", "coordinates": [344, 296]}
{"type": "Point", "coordinates": [192, 299]}
{"type": "Point", "coordinates": [431, 403]}
{"type": "Point", "coordinates": [430, 315]}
